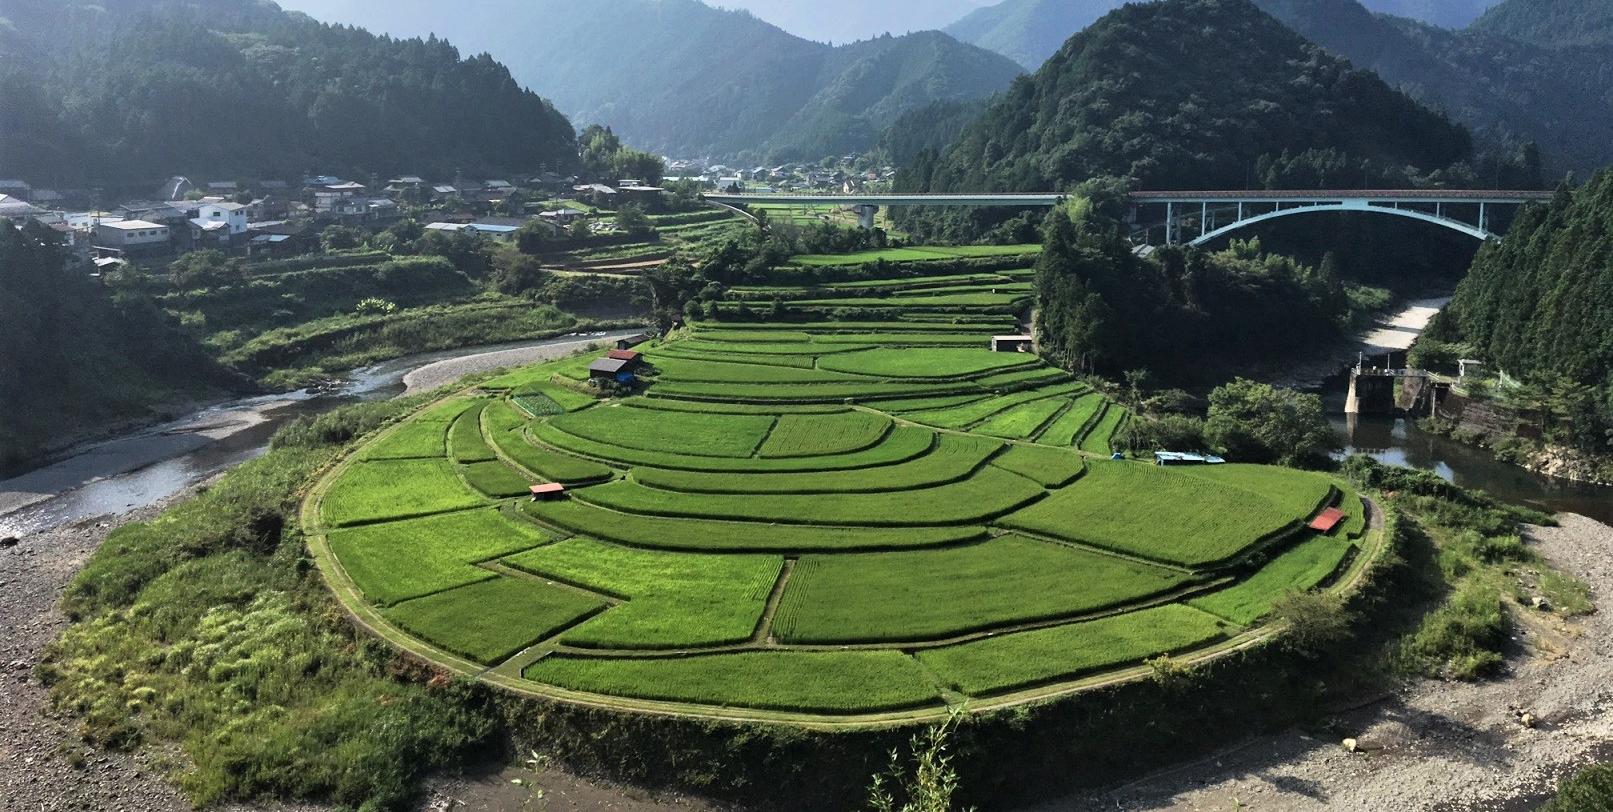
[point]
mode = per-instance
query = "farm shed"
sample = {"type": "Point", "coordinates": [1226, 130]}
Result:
{"type": "Point", "coordinates": [634, 358]}
{"type": "Point", "coordinates": [1019, 343]}
{"type": "Point", "coordinates": [548, 491]}
{"type": "Point", "coordinates": [1327, 520]}
{"type": "Point", "coordinates": [611, 369]}
{"type": "Point", "coordinates": [632, 341]}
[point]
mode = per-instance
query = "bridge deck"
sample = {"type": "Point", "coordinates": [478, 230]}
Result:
{"type": "Point", "coordinates": [1191, 197]}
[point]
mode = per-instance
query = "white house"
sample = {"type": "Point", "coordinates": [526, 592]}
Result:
{"type": "Point", "coordinates": [131, 236]}
{"type": "Point", "coordinates": [231, 215]}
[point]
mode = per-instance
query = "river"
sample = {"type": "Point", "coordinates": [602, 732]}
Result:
{"type": "Point", "coordinates": [143, 467]}
{"type": "Point", "coordinates": [1399, 441]}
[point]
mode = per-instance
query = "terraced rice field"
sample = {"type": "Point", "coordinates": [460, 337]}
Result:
{"type": "Point", "coordinates": [812, 519]}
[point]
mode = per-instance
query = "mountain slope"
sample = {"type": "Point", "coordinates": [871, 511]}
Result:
{"type": "Point", "coordinates": [139, 90]}
{"type": "Point", "coordinates": [680, 77]}
{"type": "Point", "coordinates": [1154, 92]}
{"type": "Point", "coordinates": [1443, 13]}
{"type": "Point", "coordinates": [1029, 31]}
{"type": "Point", "coordinates": [1539, 305]}
{"type": "Point", "coordinates": [1551, 23]}
{"type": "Point", "coordinates": [1506, 91]}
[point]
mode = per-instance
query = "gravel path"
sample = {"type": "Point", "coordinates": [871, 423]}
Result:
{"type": "Point", "coordinates": [1439, 746]}
{"type": "Point", "coordinates": [442, 373]}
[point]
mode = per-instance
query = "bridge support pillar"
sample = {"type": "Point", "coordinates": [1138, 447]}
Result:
{"type": "Point", "coordinates": [865, 216]}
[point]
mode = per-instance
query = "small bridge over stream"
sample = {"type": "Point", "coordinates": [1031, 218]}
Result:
{"type": "Point", "coordinates": [1197, 218]}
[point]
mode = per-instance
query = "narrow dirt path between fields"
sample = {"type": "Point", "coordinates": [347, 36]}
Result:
{"type": "Point", "coordinates": [1435, 746]}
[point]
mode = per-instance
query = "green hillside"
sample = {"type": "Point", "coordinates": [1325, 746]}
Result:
{"type": "Point", "coordinates": [1551, 23]}
{"type": "Point", "coordinates": [1158, 93]}
{"type": "Point", "coordinates": [133, 92]}
{"type": "Point", "coordinates": [1539, 305]}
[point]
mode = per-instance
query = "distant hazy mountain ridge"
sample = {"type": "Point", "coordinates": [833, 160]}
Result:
{"type": "Point", "coordinates": [683, 78]}
{"type": "Point", "coordinates": [1507, 91]}
{"type": "Point", "coordinates": [1029, 31]}
{"type": "Point", "coordinates": [1551, 23]}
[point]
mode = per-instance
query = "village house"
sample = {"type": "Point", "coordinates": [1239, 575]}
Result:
{"type": "Point", "coordinates": [16, 209]}
{"type": "Point", "coordinates": [132, 237]}
{"type": "Point", "coordinates": [220, 225]}
{"type": "Point", "coordinates": [341, 199]}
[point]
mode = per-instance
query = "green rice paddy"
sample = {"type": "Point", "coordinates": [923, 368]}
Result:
{"type": "Point", "coordinates": [813, 517]}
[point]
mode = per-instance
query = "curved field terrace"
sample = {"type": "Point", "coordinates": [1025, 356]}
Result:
{"type": "Point", "coordinates": [821, 521]}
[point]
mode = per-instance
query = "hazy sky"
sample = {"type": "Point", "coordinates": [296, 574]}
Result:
{"type": "Point", "coordinates": [847, 20]}
{"type": "Point", "coordinates": [824, 20]}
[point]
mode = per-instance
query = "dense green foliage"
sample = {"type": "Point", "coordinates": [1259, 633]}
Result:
{"type": "Point", "coordinates": [1180, 311]}
{"type": "Point", "coordinates": [133, 92]}
{"type": "Point", "coordinates": [76, 353]}
{"type": "Point", "coordinates": [1540, 307]}
{"type": "Point", "coordinates": [1551, 23]}
{"type": "Point", "coordinates": [1152, 92]}
{"type": "Point", "coordinates": [1256, 422]}
{"type": "Point", "coordinates": [1589, 790]}
{"type": "Point", "coordinates": [1512, 93]}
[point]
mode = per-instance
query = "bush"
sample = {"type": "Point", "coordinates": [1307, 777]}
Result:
{"type": "Point", "coordinates": [1462, 639]}
{"type": "Point", "coordinates": [1316, 620]}
{"type": "Point", "coordinates": [1170, 432]}
{"type": "Point", "coordinates": [1256, 422]}
{"type": "Point", "coordinates": [1589, 791]}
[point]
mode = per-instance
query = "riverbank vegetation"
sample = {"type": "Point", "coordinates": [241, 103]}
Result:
{"type": "Point", "coordinates": [1184, 314]}
{"type": "Point", "coordinates": [76, 354]}
{"type": "Point", "coordinates": [1537, 310]}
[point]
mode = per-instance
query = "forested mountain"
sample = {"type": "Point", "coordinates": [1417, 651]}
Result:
{"type": "Point", "coordinates": [1551, 23]}
{"type": "Point", "coordinates": [931, 127]}
{"type": "Point", "coordinates": [1029, 31]}
{"type": "Point", "coordinates": [680, 77]}
{"type": "Point", "coordinates": [1506, 91]}
{"type": "Point", "coordinates": [1195, 94]}
{"type": "Point", "coordinates": [135, 91]}
{"type": "Point", "coordinates": [1539, 304]}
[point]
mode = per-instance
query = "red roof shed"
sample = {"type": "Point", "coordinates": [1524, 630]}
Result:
{"type": "Point", "coordinates": [623, 355]}
{"type": "Point", "coordinates": [549, 490]}
{"type": "Point", "coordinates": [1327, 520]}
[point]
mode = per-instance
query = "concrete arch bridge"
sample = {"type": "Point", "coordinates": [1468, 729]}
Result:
{"type": "Point", "coordinates": [1197, 218]}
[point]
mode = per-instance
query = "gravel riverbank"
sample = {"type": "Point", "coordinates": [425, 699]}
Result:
{"type": "Point", "coordinates": [1438, 746]}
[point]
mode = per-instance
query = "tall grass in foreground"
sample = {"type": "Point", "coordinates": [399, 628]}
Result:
{"type": "Point", "coordinates": [205, 630]}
